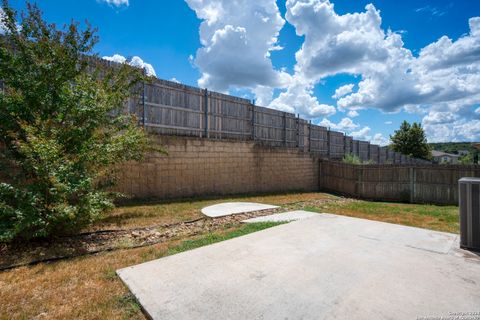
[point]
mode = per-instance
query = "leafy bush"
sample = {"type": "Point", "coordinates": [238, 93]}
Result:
{"type": "Point", "coordinates": [351, 159]}
{"type": "Point", "coordinates": [62, 128]}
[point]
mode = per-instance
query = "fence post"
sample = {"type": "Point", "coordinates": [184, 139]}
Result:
{"type": "Point", "coordinates": [320, 175]}
{"type": "Point", "coordinates": [310, 136]}
{"type": "Point", "coordinates": [298, 130]}
{"type": "Point", "coordinates": [205, 102]}
{"type": "Point", "coordinates": [412, 184]}
{"type": "Point", "coordinates": [359, 181]}
{"type": "Point", "coordinates": [253, 120]}
{"type": "Point", "coordinates": [328, 142]}
{"type": "Point", "coordinates": [284, 129]}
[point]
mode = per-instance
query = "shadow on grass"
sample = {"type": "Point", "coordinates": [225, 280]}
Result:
{"type": "Point", "coordinates": [132, 202]}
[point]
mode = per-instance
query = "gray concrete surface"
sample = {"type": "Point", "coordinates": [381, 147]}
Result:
{"type": "Point", "coordinates": [324, 267]}
{"type": "Point", "coordinates": [228, 208]}
{"type": "Point", "coordinates": [283, 217]}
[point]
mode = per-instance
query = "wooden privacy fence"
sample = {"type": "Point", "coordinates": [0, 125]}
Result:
{"type": "Point", "coordinates": [436, 184]}
{"type": "Point", "coordinates": [171, 108]}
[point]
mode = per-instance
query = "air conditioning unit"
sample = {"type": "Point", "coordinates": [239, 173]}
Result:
{"type": "Point", "coordinates": [469, 205]}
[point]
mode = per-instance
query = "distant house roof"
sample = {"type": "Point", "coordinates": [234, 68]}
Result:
{"type": "Point", "coordinates": [436, 153]}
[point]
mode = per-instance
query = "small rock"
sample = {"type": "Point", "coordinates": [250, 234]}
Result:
{"type": "Point", "coordinates": [136, 234]}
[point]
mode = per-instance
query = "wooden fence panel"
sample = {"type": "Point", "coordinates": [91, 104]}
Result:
{"type": "Point", "coordinates": [363, 149]}
{"type": "Point", "coordinates": [355, 148]}
{"type": "Point", "coordinates": [171, 108]}
{"type": "Point", "coordinates": [269, 126]}
{"type": "Point", "coordinates": [407, 183]}
{"type": "Point", "coordinates": [318, 140]}
{"type": "Point", "coordinates": [383, 155]}
{"type": "Point", "coordinates": [336, 145]}
{"type": "Point", "coordinates": [303, 134]}
{"type": "Point", "coordinates": [374, 153]}
{"type": "Point", "coordinates": [336, 176]}
{"type": "Point", "coordinates": [348, 145]}
{"type": "Point", "coordinates": [229, 117]}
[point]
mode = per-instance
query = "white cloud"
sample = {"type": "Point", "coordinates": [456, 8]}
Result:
{"type": "Point", "coordinates": [388, 122]}
{"type": "Point", "coordinates": [434, 11]}
{"type": "Point", "coordinates": [447, 126]}
{"type": "Point", "coordinates": [175, 80]}
{"type": "Point", "coordinates": [444, 78]}
{"type": "Point", "coordinates": [379, 139]}
{"type": "Point", "coordinates": [135, 61]}
{"type": "Point", "coordinates": [343, 90]}
{"type": "Point", "coordinates": [346, 124]}
{"type": "Point", "coordinates": [237, 38]}
{"type": "Point", "coordinates": [263, 95]}
{"type": "Point", "coordinates": [353, 113]}
{"type": "Point", "coordinates": [446, 72]}
{"type": "Point", "coordinates": [139, 63]}
{"type": "Point", "coordinates": [116, 3]}
{"type": "Point", "coordinates": [362, 134]}
{"type": "Point", "coordinates": [349, 127]}
{"type": "Point", "coordinates": [299, 98]}
{"type": "Point", "coordinates": [116, 58]}
{"type": "Point", "coordinates": [335, 43]}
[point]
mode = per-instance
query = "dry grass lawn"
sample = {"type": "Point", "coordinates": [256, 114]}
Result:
{"type": "Point", "coordinates": [165, 213]}
{"type": "Point", "coordinates": [88, 288]}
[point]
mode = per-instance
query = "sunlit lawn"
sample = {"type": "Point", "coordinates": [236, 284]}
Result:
{"type": "Point", "coordinates": [440, 218]}
{"type": "Point", "coordinates": [88, 288]}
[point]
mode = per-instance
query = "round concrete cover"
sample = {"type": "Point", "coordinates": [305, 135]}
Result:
{"type": "Point", "coordinates": [228, 208]}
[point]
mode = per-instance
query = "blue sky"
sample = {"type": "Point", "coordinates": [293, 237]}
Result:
{"type": "Point", "coordinates": [388, 56]}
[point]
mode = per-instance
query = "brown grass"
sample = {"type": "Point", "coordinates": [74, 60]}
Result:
{"type": "Point", "coordinates": [82, 288]}
{"type": "Point", "coordinates": [173, 212]}
{"type": "Point", "coordinates": [88, 288]}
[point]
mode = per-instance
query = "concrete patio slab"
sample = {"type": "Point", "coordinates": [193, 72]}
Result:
{"type": "Point", "coordinates": [283, 217]}
{"type": "Point", "coordinates": [324, 267]}
{"type": "Point", "coordinates": [228, 208]}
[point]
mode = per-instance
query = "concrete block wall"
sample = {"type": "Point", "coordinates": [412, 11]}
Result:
{"type": "Point", "coordinates": [198, 167]}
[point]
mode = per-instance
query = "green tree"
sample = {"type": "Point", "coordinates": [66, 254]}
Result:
{"type": "Point", "coordinates": [62, 129]}
{"type": "Point", "coordinates": [410, 140]}
{"type": "Point", "coordinates": [466, 159]}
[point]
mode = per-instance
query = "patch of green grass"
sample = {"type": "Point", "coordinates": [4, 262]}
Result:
{"type": "Point", "coordinates": [441, 218]}
{"type": "Point", "coordinates": [110, 274]}
{"type": "Point", "coordinates": [129, 303]}
{"type": "Point", "coordinates": [217, 237]}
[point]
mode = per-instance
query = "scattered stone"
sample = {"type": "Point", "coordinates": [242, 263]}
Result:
{"type": "Point", "coordinates": [102, 240]}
